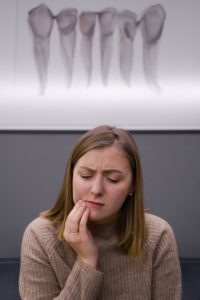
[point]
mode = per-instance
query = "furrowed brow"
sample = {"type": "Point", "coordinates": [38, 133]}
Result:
{"type": "Point", "coordinates": [109, 171]}
{"type": "Point", "coordinates": [112, 171]}
{"type": "Point", "coordinates": [87, 169]}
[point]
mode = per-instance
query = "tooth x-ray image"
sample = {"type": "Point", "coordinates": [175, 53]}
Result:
{"type": "Point", "coordinates": [41, 22]}
{"type": "Point", "coordinates": [72, 65]}
{"type": "Point", "coordinates": [70, 22]}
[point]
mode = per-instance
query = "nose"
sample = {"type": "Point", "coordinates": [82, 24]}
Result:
{"type": "Point", "coordinates": [97, 188]}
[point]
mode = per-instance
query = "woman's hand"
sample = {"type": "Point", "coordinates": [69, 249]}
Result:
{"type": "Point", "coordinates": [78, 236]}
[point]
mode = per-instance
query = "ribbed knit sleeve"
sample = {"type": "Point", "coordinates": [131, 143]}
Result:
{"type": "Point", "coordinates": [166, 276]}
{"type": "Point", "coordinates": [83, 283]}
{"type": "Point", "coordinates": [38, 281]}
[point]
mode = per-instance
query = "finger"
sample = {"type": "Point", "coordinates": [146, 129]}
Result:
{"type": "Point", "coordinates": [75, 209]}
{"type": "Point", "coordinates": [83, 221]}
{"type": "Point", "coordinates": [71, 216]}
{"type": "Point", "coordinates": [75, 217]}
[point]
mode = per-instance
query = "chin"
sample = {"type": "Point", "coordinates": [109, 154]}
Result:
{"type": "Point", "coordinates": [95, 218]}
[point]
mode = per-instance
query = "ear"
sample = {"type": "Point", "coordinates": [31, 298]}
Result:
{"type": "Point", "coordinates": [132, 191]}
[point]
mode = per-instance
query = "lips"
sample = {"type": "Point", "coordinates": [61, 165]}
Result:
{"type": "Point", "coordinates": [93, 204]}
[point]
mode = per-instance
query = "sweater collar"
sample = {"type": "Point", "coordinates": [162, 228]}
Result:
{"type": "Point", "coordinates": [104, 229]}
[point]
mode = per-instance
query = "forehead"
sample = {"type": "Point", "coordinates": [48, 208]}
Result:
{"type": "Point", "coordinates": [107, 157]}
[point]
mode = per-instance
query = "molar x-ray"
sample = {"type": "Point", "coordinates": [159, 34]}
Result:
{"type": "Point", "coordinates": [151, 25]}
{"type": "Point", "coordinates": [107, 23]}
{"type": "Point", "coordinates": [41, 23]}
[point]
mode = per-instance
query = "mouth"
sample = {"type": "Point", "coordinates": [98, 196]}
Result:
{"type": "Point", "coordinates": [93, 204]}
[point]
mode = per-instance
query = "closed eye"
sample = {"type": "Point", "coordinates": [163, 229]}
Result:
{"type": "Point", "coordinates": [86, 176]}
{"type": "Point", "coordinates": [113, 180]}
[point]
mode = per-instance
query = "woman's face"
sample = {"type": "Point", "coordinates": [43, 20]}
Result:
{"type": "Point", "coordinates": [102, 178]}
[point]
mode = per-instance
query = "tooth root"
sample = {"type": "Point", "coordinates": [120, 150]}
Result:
{"type": "Point", "coordinates": [152, 24]}
{"type": "Point", "coordinates": [41, 21]}
{"type": "Point", "coordinates": [127, 31]}
{"type": "Point", "coordinates": [87, 22]}
{"type": "Point", "coordinates": [107, 23]}
{"type": "Point", "coordinates": [86, 48]}
{"type": "Point", "coordinates": [67, 21]}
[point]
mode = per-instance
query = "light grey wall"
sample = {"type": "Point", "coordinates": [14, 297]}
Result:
{"type": "Point", "coordinates": [32, 167]}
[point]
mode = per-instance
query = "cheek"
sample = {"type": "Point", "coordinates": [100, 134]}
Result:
{"type": "Point", "coordinates": [122, 190]}
{"type": "Point", "coordinates": [75, 190]}
{"type": "Point", "coordinates": [79, 190]}
{"type": "Point", "coordinates": [118, 197]}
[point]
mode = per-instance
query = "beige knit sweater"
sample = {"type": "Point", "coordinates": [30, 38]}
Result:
{"type": "Point", "coordinates": [50, 270]}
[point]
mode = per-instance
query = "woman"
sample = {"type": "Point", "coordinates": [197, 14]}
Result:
{"type": "Point", "coordinates": [97, 242]}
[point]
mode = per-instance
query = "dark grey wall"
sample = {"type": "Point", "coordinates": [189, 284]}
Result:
{"type": "Point", "coordinates": [32, 167]}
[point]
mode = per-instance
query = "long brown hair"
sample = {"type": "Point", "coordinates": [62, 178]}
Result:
{"type": "Point", "coordinates": [131, 229]}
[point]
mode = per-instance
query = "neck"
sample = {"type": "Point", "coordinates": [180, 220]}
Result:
{"type": "Point", "coordinates": [103, 228]}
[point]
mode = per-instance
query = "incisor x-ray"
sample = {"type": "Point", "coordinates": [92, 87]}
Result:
{"type": "Point", "coordinates": [127, 23]}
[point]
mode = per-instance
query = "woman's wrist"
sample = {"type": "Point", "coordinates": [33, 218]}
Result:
{"type": "Point", "coordinates": [92, 262]}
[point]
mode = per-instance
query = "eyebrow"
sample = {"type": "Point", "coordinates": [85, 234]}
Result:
{"type": "Point", "coordinates": [105, 171]}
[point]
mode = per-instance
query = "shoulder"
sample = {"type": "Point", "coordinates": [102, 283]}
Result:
{"type": "Point", "coordinates": [39, 226]}
{"type": "Point", "coordinates": [155, 223]}
{"type": "Point", "coordinates": [158, 230]}
{"type": "Point", "coordinates": [39, 222]}
{"type": "Point", "coordinates": [42, 233]}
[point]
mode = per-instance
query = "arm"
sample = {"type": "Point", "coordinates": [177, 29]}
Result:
{"type": "Point", "coordinates": [166, 277]}
{"type": "Point", "coordinates": [38, 280]}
